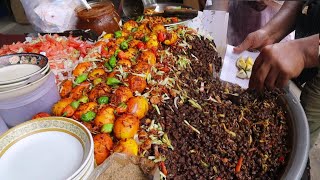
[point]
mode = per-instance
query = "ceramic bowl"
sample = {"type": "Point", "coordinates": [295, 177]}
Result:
{"type": "Point", "coordinates": [35, 77]}
{"type": "Point", "coordinates": [20, 66]}
{"type": "Point", "coordinates": [19, 91]}
{"type": "Point", "coordinates": [46, 148]}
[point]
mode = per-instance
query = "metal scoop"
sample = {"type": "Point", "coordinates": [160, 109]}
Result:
{"type": "Point", "coordinates": [132, 8]}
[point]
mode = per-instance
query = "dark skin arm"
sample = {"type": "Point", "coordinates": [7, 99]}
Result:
{"type": "Point", "coordinates": [276, 29]}
{"type": "Point", "coordinates": [278, 63]}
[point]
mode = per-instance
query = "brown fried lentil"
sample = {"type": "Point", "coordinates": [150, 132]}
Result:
{"type": "Point", "coordinates": [232, 124]}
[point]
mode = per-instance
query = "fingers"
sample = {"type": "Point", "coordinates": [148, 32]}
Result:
{"type": "Point", "coordinates": [259, 74]}
{"type": "Point", "coordinates": [271, 78]}
{"type": "Point", "coordinates": [246, 44]}
{"type": "Point", "coordinates": [282, 81]}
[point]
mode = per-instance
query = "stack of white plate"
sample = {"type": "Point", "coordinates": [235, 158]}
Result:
{"type": "Point", "coordinates": [18, 71]}
{"type": "Point", "coordinates": [47, 148]}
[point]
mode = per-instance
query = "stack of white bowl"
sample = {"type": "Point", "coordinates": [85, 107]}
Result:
{"type": "Point", "coordinates": [50, 148]}
{"type": "Point", "coordinates": [22, 73]}
{"type": "Point", "coordinates": [27, 87]}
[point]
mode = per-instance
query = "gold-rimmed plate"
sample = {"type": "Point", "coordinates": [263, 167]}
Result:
{"type": "Point", "coordinates": [46, 148]}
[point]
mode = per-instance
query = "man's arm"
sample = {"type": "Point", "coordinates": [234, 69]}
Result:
{"type": "Point", "coordinates": [275, 30]}
{"type": "Point", "coordinates": [280, 62]}
{"type": "Point", "coordinates": [284, 21]}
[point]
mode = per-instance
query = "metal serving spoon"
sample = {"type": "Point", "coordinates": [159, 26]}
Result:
{"type": "Point", "coordinates": [132, 8]}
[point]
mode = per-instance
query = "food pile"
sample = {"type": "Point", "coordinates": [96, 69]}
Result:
{"type": "Point", "coordinates": [153, 16]}
{"type": "Point", "coordinates": [150, 91]}
{"type": "Point", "coordinates": [63, 52]}
{"type": "Point", "coordinates": [160, 20]}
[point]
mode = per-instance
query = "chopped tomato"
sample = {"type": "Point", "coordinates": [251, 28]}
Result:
{"type": "Point", "coordinates": [140, 46]}
{"type": "Point", "coordinates": [122, 55]}
{"type": "Point", "coordinates": [41, 115]}
{"type": "Point", "coordinates": [174, 19]}
{"type": "Point", "coordinates": [161, 36]}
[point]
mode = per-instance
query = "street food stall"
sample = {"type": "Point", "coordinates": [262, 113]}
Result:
{"type": "Point", "coordinates": [156, 96]}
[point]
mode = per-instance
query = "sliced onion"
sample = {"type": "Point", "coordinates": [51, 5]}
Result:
{"type": "Point", "coordinates": [175, 102]}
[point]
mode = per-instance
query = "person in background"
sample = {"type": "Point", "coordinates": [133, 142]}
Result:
{"type": "Point", "coordinates": [280, 62]}
{"type": "Point", "coordinates": [246, 16]}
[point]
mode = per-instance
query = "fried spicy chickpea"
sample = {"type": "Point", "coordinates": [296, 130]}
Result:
{"type": "Point", "coordinates": [126, 126]}
{"type": "Point", "coordinates": [129, 25]}
{"type": "Point", "coordinates": [58, 108]}
{"type": "Point", "coordinates": [99, 90]}
{"type": "Point", "coordinates": [125, 62]}
{"type": "Point", "coordinates": [65, 88]}
{"type": "Point", "coordinates": [127, 146]}
{"type": "Point", "coordinates": [153, 42]}
{"type": "Point", "coordinates": [138, 106]}
{"type": "Point", "coordinates": [80, 90]}
{"type": "Point", "coordinates": [102, 147]}
{"type": "Point", "coordinates": [137, 83]}
{"type": "Point", "coordinates": [122, 94]}
{"type": "Point", "coordinates": [105, 116]}
{"type": "Point", "coordinates": [172, 38]}
{"type": "Point", "coordinates": [84, 108]}
{"type": "Point", "coordinates": [81, 68]}
{"type": "Point", "coordinates": [149, 57]}
{"type": "Point", "coordinates": [158, 28]}
{"type": "Point", "coordinates": [142, 67]}
{"type": "Point", "coordinates": [96, 73]}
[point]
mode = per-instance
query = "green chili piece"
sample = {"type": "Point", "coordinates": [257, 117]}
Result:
{"type": "Point", "coordinates": [129, 38]}
{"type": "Point", "coordinates": [116, 52]}
{"type": "Point", "coordinates": [107, 128]}
{"type": "Point", "coordinates": [75, 104]}
{"type": "Point", "coordinates": [124, 45]}
{"type": "Point", "coordinates": [140, 18]}
{"type": "Point", "coordinates": [88, 116]}
{"type": "Point", "coordinates": [113, 61]}
{"type": "Point", "coordinates": [81, 78]}
{"type": "Point", "coordinates": [107, 65]}
{"type": "Point", "coordinates": [134, 29]}
{"type": "Point", "coordinates": [113, 81]}
{"type": "Point", "coordinates": [84, 99]}
{"type": "Point", "coordinates": [64, 114]}
{"type": "Point", "coordinates": [117, 34]}
{"type": "Point", "coordinates": [103, 100]}
{"type": "Point", "coordinates": [145, 38]}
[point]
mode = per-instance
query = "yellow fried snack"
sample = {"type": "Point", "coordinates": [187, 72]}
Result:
{"type": "Point", "coordinates": [127, 146]}
{"type": "Point", "coordinates": [138, 106]}
{"type": "Point", "coordinates": [105, 116]}
{"type": "Point", "coordinates": [126, 126]}
{"type": "Point", "coordinates": [58, 107]}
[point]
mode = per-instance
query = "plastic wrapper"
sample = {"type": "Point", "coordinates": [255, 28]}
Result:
{"type": "Point", "coordinates": [51, 15]}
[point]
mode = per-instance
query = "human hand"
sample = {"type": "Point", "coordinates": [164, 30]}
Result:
{"type": "Point", "coordinates": [255, 40]}
{"type": "Point", "coordinates": [278, 63]}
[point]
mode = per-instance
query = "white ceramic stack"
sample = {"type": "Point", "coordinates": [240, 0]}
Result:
{"type": "Point", "coordinates": [27, 87]}
{"type": "Point", "coordinates": [17, 71]}
{"type": "Point", "coordinates": [50, 148]}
